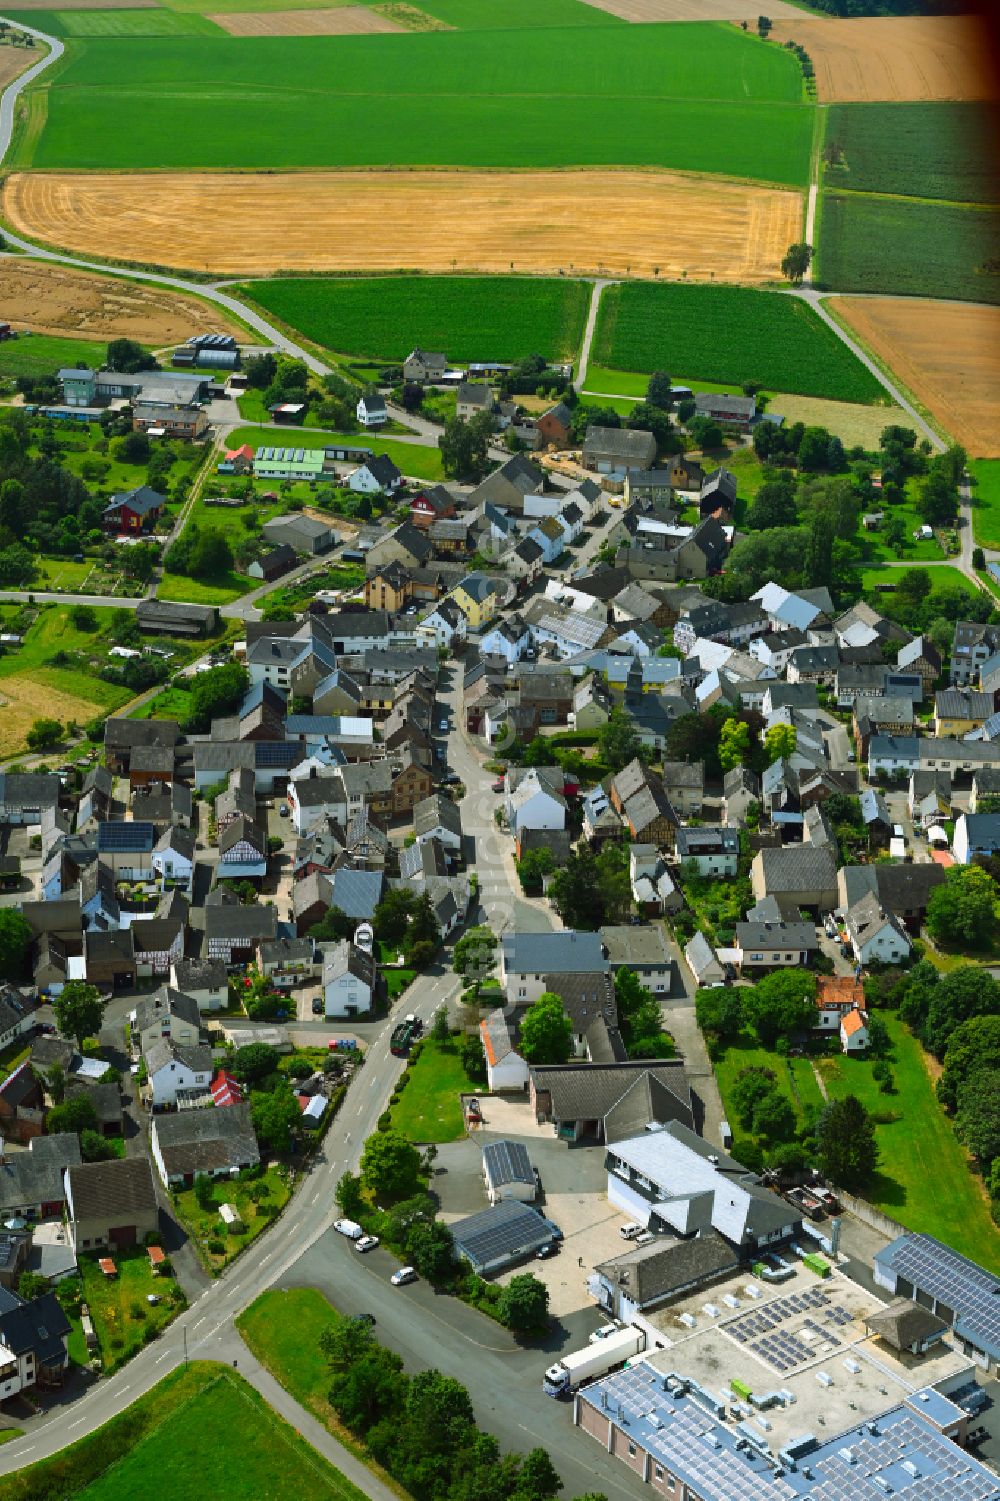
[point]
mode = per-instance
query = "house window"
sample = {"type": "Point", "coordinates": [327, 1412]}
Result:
{"type": "Point", "coordinates": [631, 1450]}
{"type": "Point", "coordinates": [658, 1471]}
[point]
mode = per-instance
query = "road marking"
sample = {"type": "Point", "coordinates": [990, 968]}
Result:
{"type": "Point", "coordinates": [263, 1262]}
{"type": "Point", "coordinates": [77, 1423]}
{"type": "Point", "coordinates": [200, 1321]}
{"type": "Point", "coordinates": [123, 1390]}
{"type": "Point", "coordinates": [165, 1356]}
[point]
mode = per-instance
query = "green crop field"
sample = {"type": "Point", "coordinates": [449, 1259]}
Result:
{"type": "Point", "coordinates": [917, 150]}
{"type": "Point", "coordinates": [986, 501]}
{"type": "Point", "coordinates": [701, 98]}
{"type": "Point", "coordinates": [41, 354]}
{"type": "Point", "coordinates": [516, 15]}
{"type": "Point", "coordinates": [116, 23]}
{"type": "Point", "coordinates": [915, 249]}
{"type": "Point", "coordinates": [728, 334]}
{"type": "Point", "coordinates": [466, 317]}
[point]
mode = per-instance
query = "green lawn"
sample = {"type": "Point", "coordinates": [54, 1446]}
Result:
{"type": "Point", "coordinates": [177, 586]}
{"type": "Point", "coordinates": [875, 548]}
{"type": "Point", "coordinates": [466, 317]}
{"type": "Point", "coordinates": [986, 501]}
{"type": "Point", "coordinates": [201, 1417]}
{"type": "Point", "coordinates": [430, 1108]}
{"type": "Point", "coordinates": [703, 98]}
{"type": "Point", "coordinates": [418, 460]}
{"type": "Point", "coordinates": [42, 354]}
{"type": "Point", "coordinates": [397, 980]}
{"type": "Point", "coordinates": [793, 1077]}
{"type": "Point", "coordinates": [728, 334]}
{"type": "Point", "coordinates": [924, 1180]}
{"type": "Point", "coordinates": [945, 577]}
{"type": "Point", "coordinates": [907, 247]}
{"type": "Point", "coordinates": [123, 1320]}
{"type": "Point", "coordinates": [916, 150]}
{"type": "Point", "coordinates": [205, 1226]}
{"type": "Point", "coordinates": [282, 1329]}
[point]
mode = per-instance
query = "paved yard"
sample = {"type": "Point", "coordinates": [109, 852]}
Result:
{"type": "Point", "coordinates": [573, 1197]}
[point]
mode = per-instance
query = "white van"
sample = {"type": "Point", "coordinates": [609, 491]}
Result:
{"type": "Point", "coordinates": [629, 1232]}
{"type": "Point", "coordinates": [350, 1228]}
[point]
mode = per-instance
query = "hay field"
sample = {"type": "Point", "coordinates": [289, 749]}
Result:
{"type": "Point", "coordinates": [646, 11]}
{"type": "Point", "coordinates": [850, 422]}
{"type": "Point", "coordinates": [346, 20]}
{"type": "Point", "coordinates": [25, 698]}
{"type": "Point", "coordinates": [893, 58]}
{"type": "Point", "coordinates": [53, 299]}
{"type": "Point", "coordinates": [14, 60]}
{"type": "Point", "coordinates": [551, 222]}
{"type": "Point", "coordinates": [948, 355]}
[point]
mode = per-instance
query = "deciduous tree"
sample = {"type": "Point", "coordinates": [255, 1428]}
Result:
{"type": "Point", "coordinates": [390, 1165]}
{"type": "Point", "coordinates": [79, 1010]}
{"type": "Point", "coordinates": [546, 1031]}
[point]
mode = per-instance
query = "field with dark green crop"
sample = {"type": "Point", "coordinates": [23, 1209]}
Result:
{"type": "Point", "coordinates": [915, 249]}
{"type": "Point", "coordinates": [117, 23]}
{"type": "Point", "coordinates": [700, 97]}
{"type": "Point", "coordinates": [466, 317]}
{"type": "Point", "coordinates": [729, 335]}
{"type": "Point", "coordinates": [918, 150]}
{"type": "Point", "coordinates": [517, 15]}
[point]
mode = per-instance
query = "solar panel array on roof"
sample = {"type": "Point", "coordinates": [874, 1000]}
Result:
{"type": "Point", "coordinates": [969, 1290]}
{"type": "Point", "coordinates": [505, 1232]}
{"type": "Point", "coordinates": [212, 341]}
{"type": "Point", "coordinates": [125, 837]}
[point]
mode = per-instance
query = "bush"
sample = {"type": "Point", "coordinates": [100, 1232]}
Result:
{"type": "Point", "coordinates": [217, 1246]}
{"type": "Point", "coordinates": [384, 1121]}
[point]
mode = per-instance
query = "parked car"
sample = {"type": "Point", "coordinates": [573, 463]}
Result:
{"type": "Point", "coordinates": [544, 1252]}
{"type": "Point", "coordinates": [403, 1276]}
{"type": "Point", "coordinates": [365, 1318]}
{"type": "Point", "coordinates": [602, 1333]}
{"type": "Point", "coordinates": [366, 1243]}
{"type": "Point", "coordinates": [350, 1228]}
{"type": "Point", "coordinates": [317, 1005]}
{"type": "Point", "coordinates": [498, 785]}
{"type": "Point", "coordinates": [283, 811]}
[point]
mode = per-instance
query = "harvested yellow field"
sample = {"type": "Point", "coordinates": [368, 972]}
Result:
{"type": "Point", "coordinates": [15, 60]}
{"type": "Point", "coordinates": [894, 58]}
{"type": "Point", "coordinates": [52, 299]}
{"type": "Point", "coordinates": [948, 353]}
{"type": "Point", "coordinates": [347, 20]}
{"type": "Point", "coordinates": [652, 11]}
{"type": "Point", "coordinates": [250, 224]}
{"type": "Point", "coordinates": [23, 700]}
{"type": "Point", "coordinates": [847, 420]}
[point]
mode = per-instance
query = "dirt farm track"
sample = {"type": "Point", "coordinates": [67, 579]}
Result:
{"type": "Point", "coordinates": [250, 224]}
{"type": "Point", "coordinates": [948, 353]}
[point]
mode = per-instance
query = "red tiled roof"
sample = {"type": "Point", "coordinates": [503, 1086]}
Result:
{"type": "Point", "coordinates": [853, 1022]}
{"type": "Point", "coordinates": [487, 1044]}
{"type": "Point", "coordinates": [838, 990]}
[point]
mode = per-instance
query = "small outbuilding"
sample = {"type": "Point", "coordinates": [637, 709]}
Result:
{"type": "Point", "coordinates": [508, 1172]}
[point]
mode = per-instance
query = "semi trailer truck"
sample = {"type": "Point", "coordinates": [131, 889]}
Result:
{"type": "Point", "coordinates": [592, 1362]}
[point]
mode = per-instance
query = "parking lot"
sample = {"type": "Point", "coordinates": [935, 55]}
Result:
{"type": "Point", "coordinates": [573, 1197]}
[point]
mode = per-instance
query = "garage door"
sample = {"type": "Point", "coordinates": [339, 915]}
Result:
{"type": "Point", "coordinates": [122, 1235]}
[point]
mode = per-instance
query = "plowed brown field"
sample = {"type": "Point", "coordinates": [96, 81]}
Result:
{"type": "Point", "coordinates": [348, 20]}
{"type": "Point", "coordinates": [249, 224]}
{"type": "Point", "coordinates": [948, 353]}
{"type": "Point", "coordinates": [894, 57]}
{"type": "Point", "coordinates": [691, 10]}
{"type": "Point", "coordinates": [51, 299]}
